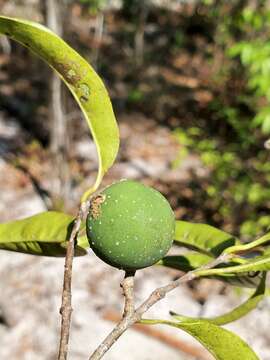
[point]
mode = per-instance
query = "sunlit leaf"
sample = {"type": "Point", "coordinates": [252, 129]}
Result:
{"type": "Point", "coordinates": [81, 79]}
{"type": "Point", "coordinates": [44, 234]}
{"type": "Point", "coordinates": [221, 343]}
{"type": "Point", "coordinates": [193, 260]}
{"type": "Point", "coordinates": [204, 238]}
{"type": "Point", "coordinates": [235, 314]}
{"type": "Point", "coordinates": [260, 263]}
{"type": "Point", "coordinates": [209, 242]}
{"type": "Point", "coordinates": [260, 242]}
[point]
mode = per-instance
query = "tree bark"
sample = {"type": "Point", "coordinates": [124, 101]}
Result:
{"type": "Point", "coordinates": [55, 14]}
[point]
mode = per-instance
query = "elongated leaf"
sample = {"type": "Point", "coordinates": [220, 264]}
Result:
{"type": "Point", "coordinates": [83, 82]}
{"type": "Point", "coordinates": [260, 263]}
{"type": "Point", "coordinates": [261, 242]}
{"type": "Point", "coordinates": [204, 238]}
{"type": "Point", "coordinates": [235, 314]}
{"type": "Point", "coordinates": [44, 234]}
{"type": "Point", "coordinates": [194, 260]}
{"type": "Point", "coordinates": [221, 343]}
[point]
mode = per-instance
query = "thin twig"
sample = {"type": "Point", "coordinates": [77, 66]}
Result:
{"type": "Point", "coordinates": [66, 308]}
{"type": "Point", "coordinates": [161, 292]}
{"type": "Point", "coordinates": [156, 296]}
{"type": "Point", "coordinates": [127, 319]}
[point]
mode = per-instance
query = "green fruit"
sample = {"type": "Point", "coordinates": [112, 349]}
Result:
{"type": "Point", "coordinates": [130, 226]}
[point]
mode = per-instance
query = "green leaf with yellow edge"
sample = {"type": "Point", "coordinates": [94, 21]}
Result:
{"type": "Point", "coordinates": [81, 79]}
{"type": "Point", "coordinates": [235, 314]}
{"type": "Point", "coordinates": [44, 234]}
{"type": "Point", "coordinates": [203, 238]}
{"type": "Point", "coordinates": [221, 343]}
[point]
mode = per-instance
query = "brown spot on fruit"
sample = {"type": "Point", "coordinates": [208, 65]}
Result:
{"type": "Point", "coordinates": [95, 207]}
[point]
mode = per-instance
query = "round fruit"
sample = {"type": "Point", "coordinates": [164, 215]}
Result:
{"type": "Point", "coordinates": [130, 226]}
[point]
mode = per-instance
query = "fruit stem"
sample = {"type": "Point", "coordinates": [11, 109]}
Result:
{"type": "Point", "coordinates": [132, 316]}
{"type": "Point", "coordinates": [128, 291]}
{"type": "Point", "coordinates": [127, 320]}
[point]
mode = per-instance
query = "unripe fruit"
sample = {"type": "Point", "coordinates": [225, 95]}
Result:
{"type": "Point", "coordinates": [130, 226]}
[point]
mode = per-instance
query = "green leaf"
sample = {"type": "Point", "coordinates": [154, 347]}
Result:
{"type": "Point", "coordinates": [235, 314]}
{"type": "Point", "coordinates": [44, 234]}
{"type": "Point", "coordinates": [260, 263]}
{"type": "Point", "coordinates": [193, 260]}
{"type": "Point", "coordinates": [81, 79]}
{"type": "Point", "coordinates": [203, 238]}
{"type": "Point", "coordinates": [221, 343]}
{"type": "Point", "coordinates": [263, 240]}
{"type": "Point", "coordinates": [186, 262]}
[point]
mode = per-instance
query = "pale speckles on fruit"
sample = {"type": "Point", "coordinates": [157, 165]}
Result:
{"type": "Point", "coordinates": [135, 227]}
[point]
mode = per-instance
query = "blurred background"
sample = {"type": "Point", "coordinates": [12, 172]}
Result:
{"type": "Point", "coordinates": [189, 83]}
